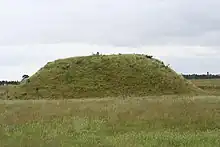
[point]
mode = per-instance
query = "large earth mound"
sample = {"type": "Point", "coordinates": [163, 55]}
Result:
{"type": "Point", "coordinates": [103, 76]}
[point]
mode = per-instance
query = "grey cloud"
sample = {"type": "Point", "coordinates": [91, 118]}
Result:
{"type": "Point", "coordinates": [124, 22]}
{"type": "Point", "coordinates": [193, 65]}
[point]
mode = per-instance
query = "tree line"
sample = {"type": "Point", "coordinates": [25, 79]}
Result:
{"type": "Point", "coordinates": [201, 76]}
{"type": "Point", "coordinates": [9, 82]}
{"type": "Point", "coordinates": [5, 82]}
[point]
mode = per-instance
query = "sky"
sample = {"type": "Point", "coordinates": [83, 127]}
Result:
{"type": "Point", "coordinates": [184, 34]}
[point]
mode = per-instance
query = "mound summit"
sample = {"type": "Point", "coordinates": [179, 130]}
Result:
{"type": "Point", "coordinates": [103, 76]}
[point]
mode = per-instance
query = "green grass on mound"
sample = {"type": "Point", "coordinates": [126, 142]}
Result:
{"type": "Point", "coordinates": [103, 76]}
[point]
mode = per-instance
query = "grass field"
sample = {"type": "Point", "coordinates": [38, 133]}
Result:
{"type": "Point", "coordinates": [138, 122]}
{"type": "Point", "coordinates": [210, 85]}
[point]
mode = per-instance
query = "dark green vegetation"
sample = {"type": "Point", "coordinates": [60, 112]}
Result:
{"type": "Point", "coordinates": [172, 121]}
{"type": "Point", "coordinates": [201, 76]}
{"type": "Point", "coordinates": [103, 76]}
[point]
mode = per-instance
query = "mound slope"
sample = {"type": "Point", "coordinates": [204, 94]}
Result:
{"type": "Point", "coordinates": [103, 76]}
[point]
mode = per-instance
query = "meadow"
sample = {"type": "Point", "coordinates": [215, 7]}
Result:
{"type": "Point", "coordinates": [111, 122]}
{"type": "Point", "coordinates": [210, 85]}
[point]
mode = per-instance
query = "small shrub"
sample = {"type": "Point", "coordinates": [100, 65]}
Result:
{"type": "Point", "coordinates": [148, 56]}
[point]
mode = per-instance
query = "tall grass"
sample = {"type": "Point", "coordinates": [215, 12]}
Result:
{"type": "Point", "coordinates": [212, 86]}
{"type": "Point", "coordinates": [148, 121]}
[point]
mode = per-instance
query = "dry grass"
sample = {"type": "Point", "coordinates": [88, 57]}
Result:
{"type": "Point", "coordinates": [212, 86]}
{"type": "Point", "coordinates": [148, 121]}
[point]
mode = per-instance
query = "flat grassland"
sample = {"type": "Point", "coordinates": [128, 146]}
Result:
{"type": "Point", "coordinates": [172, 121]}
{"type": "Point", "coordinates": [210, 85]}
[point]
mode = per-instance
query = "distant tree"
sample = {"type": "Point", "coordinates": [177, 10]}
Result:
{"type": "Point", "coordinates": [25, 79]}
{"type": "Point", "coordinates": [25, 76]}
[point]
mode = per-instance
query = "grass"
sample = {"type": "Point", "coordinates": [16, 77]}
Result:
{"type": "Point", "coordinates": [111, 122]}
{"type": "Point", "coordinates": [212, 86]}
{"type": "Point", "coordinates": [99, 76]}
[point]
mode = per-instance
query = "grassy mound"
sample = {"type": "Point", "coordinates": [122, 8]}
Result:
{"type": "Point", "coordinates": [103, 76]}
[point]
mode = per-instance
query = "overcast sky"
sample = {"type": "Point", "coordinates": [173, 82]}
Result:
{"type": "Point", "coordinates": [183, 33]}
